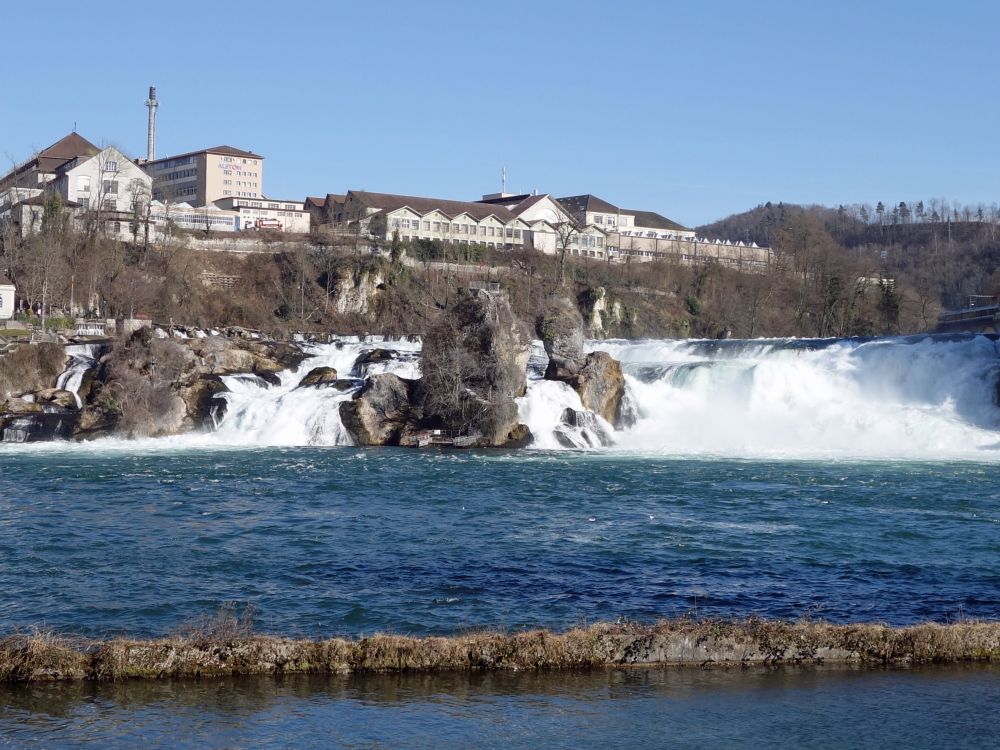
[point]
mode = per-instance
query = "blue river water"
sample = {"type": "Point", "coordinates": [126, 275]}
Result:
{"type": "Point", "coordinates": [146, 538]}
{"type": "Point", "coordinates": [99, 540]}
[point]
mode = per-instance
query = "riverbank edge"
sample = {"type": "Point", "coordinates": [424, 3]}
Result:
{"type": "Point", "coordinates": [47, 657]}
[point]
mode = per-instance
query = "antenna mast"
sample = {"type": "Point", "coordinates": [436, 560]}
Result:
{"type": "Point", "coordinates": [151, 105]}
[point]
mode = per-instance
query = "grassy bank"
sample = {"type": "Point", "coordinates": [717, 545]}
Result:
{"type": "Point", "coordinates": [39, 657]}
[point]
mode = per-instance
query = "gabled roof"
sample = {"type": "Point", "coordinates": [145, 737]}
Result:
{"type": "Point", "coordinates": [61, 152]}
{"type": "Point", "coordinates": [314, 202]}
{"type": "Point", "coordinates": [65, 149]}
{"type": "Point", "coordinates": [527, 203]}
{"type": "Point", "coordinates": [390, 202]}
{"type": "Point", "coordinates": [654, 221]}
{"type": "Point", "coordinates": [335, 198]}
{"type": "Point", "coordinates": [588, 202]}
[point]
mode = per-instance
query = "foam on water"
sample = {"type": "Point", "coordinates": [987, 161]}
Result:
{"type": "Point", "coordinates": [918, 397]}
{"type": "Point", "coordinates": [913, 397]}
{"type": "Point", "coordinates": [287, 414]}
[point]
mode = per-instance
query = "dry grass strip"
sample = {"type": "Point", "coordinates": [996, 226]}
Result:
{"type": "Point", "coordinates": [40, 657]}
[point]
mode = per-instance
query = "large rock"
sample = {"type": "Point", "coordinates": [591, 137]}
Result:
{"type": "Point", "coordinates": [367, 360]}
{"type": "Point", "coordinates": [355, 290]}
{"type": "Point", "coordinates": [601, 386]}
{"type": "Point", "coordinates": [20, 406]}
{"type": "Point", "coordinates": [57, 397]}
{"type": "Point", "coordinates": [474, 364]}
{"type": "Point", "coordinates": [379, 411]}
{"type": "Point", "coordinates": [29, 428]}
{"type": "Point", "coordinates": [319, 377]}
{"type": "Point", "coordinates": [560, 327]}
{"type": "Point", "coordinates": [203, 402]}
{"type": "Point", "coordinates": [582, 429]}
{"type": "Point", "coordinates": [94, 422]}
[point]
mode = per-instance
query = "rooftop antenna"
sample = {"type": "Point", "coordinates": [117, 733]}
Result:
{"type": "Point", "coordinates": [503, 180]}
{"type": "Point", "coordinates": [151, 105]}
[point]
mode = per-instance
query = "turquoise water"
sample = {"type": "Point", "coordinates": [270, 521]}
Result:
{"type": "Point", "coordinates": [98, 540]}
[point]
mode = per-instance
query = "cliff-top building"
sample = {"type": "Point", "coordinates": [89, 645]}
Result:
{"type": "Point", "coordinates": [94, 184]}
{"type": "Point", "coordinates": [202, 177]}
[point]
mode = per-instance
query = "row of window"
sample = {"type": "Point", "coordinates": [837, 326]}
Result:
{"type": "Point", "coordinates": [180, 175]}
{"type": "Point", "coordinates": [238, 160]}
{"type": "Point", "coordinates": [407, 238]}
{"type": "Point", "coordinates": [587, 240]}
{"type": "Point", "coordinates": [170, 163]}
{"type": "Point", "coordinates": [447, 227]}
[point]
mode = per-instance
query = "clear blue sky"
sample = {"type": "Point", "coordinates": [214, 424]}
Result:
{"type": "Point", "coordinates": [696, 109]}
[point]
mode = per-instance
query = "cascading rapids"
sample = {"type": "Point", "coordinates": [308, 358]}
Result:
{"type": "Point", "coordinates": [82, 357]}
{"type": "Point", "coordinates": [918, 396]}
{"type": "Point", "coordinates": [259, 413]}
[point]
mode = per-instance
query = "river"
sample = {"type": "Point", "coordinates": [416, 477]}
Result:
{"type": "Point", "coordinates": [842, 480]}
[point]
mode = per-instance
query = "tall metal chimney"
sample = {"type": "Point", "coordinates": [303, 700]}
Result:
{"type": "Point", "coordinates": [151, 105]}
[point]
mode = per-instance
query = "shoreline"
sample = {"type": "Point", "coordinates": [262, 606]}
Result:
{"type": "Point", "coordinates": [47, 657]}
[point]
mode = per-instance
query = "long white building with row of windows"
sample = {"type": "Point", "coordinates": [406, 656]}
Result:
{"type": "Point", "coordinates": [581, 225]}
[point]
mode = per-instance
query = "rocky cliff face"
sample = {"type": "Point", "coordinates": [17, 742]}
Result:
{"type": "Point", "coordinates": [597, 377]}
{"type": "Point", "coordinates": [355, 292]}
{"type": "Point", "coordinates": [560, 327]}
{"type": "Point", "coordinates": [380, 411]}
{"type": "Point", "coordinates": [474, 364]}
{"type": "Point", "coordinates": [145, 386]}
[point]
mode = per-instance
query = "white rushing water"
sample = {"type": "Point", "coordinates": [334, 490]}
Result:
{"type": "Point", "coordinates": [82, 357]}
{"type": "Point", "coordinates": [259, 413]}
{"type": "Point", "coordinates": [919, 397]}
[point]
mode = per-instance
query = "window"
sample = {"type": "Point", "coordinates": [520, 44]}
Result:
{"type": "Point", "coordinates": [465, 229]}
{"type": "Point", "coordinates": [510, 232]}
{"type": "Point", "coordinates": [427, 226]}
{"type": "Point", "coordinates": [482, 231]}
{"type": "Point", "coordinates": [110, 204]}
{"type": "Point", "coordinates": [437, 226]}
{"type": "Point", "coordinates": [288, 206]}
{"type": "Point", "coordinates": [84, 203]}
{"type": "Point", "coordinates": [272, 205]}
{"type": "Point", "coordinates": [83, 184]}
{"type": "Point", "coordinates": [111, 187]}
{"type": "Point", "coordinates": [111, 166]}
{"type": "Point", "coordinates": [492, 230]}
{"type": "Point", "coordinates": [517, 234]}
{"type": "Point", "coordinates": [598, 219]}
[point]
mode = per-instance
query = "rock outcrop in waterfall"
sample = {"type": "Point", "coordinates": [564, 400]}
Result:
{"type": "Point", "coordinates": [597, 377]}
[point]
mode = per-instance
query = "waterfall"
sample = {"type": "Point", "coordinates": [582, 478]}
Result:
{"type": "Point", "coordinates": [82, 357]}
{"type": "Point", "coordinates": [917, 396]}
{"type": "Point", "coordinates": [287, 413]}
